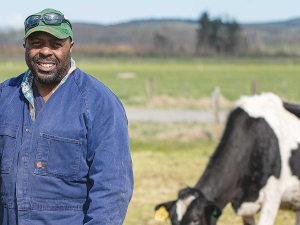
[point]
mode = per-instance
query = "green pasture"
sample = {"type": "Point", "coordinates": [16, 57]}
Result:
{"type": "Point", "coordinates": [185, 78]}
{"type": "Point", "coordinates": [164, 166]}
{"type": "Point", "coordinates": [169, 157]}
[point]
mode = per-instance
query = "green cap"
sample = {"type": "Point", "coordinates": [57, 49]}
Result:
{"type": "Point", "coordinates": [60, 31]}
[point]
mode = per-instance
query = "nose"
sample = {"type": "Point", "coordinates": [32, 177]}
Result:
{"type": "Point", "coordinates": [46, 51]}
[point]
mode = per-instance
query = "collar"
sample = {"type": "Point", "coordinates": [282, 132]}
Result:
{"type": "Point", "coordinates": [28, 90]}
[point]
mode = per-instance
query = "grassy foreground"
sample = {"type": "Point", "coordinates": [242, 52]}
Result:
{"type": "Point", "coordinates": [162, 168]}
{"type": "Point", "coordinates": [169, 157]}
{"type": "Point", "coordinates": [185, 78]}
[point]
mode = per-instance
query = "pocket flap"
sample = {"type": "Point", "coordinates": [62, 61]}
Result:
{"type": "Point", "coordinates": [8, 129]}
{"type": "Point", "coordinates": [57, 157]}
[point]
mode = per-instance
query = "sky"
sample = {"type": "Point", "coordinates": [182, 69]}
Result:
{"type": "Point", "coordinates": [14, 12]}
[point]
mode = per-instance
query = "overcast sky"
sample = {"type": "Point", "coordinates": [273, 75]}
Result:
{"type": "Point", "coordinates": [14, 12]}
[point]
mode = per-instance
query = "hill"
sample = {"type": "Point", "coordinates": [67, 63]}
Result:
{"type": "Point", "coordinates": [170, 36]}
{"type": "Point", "coordinates": [275, 38]}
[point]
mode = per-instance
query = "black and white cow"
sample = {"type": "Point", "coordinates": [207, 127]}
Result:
{"type": "Point", "coordinates": [255, 167]}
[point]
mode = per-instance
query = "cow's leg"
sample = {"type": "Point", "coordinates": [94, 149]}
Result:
{"type": "Point", "coordinates": [269, 211]}
{"type": "Point", "coordinates": [297, 217]}
{"type": "Point", "coordinates": [249, 220]}
{"type": "Point", "coordinates": [271, 202]}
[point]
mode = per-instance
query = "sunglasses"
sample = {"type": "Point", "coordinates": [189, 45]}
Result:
{"type": "Point", "coordinates": [48, 18]}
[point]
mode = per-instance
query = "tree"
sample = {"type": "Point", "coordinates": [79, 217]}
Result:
{"type": "Point", "coordinates": [204, 30]}
{"type": "Point", "coordinates": [233, 30]}
{"type": "Point", "coordinates": [163, 45]}
{"type": "Point", "coordinates": [216, 36]}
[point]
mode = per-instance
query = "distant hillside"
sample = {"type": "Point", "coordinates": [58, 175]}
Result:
{"type": "Point", "coordinates": [140, 36]}
{"type": "Point", "coordinates": [282, 36]}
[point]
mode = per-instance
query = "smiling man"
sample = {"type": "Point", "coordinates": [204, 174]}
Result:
{"type": "Point", "coordinates": [48, 59]}
{"type": "Point", "coordinates": [64, 146]}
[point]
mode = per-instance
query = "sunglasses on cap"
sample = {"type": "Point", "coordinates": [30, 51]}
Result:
{"type": "Point", "coordinates": [48, 18]}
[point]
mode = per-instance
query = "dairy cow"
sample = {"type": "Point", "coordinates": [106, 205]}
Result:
{"type": "Point", "coordinates": [255, 167]}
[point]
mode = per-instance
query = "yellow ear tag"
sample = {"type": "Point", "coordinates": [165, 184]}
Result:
{"type": "Point", "coordinates": [161, 214]}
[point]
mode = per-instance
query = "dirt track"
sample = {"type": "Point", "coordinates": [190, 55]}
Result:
{"type": "Point", "coordinates": [174, 115]}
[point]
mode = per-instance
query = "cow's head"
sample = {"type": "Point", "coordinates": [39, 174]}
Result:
{"type": "Point", "coordinates": [191, 208]}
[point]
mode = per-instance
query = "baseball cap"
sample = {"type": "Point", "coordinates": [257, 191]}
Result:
{"type": "Point", "coordinates": [61, 31]}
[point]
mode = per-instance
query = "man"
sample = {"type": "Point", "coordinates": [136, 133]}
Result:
{"type": "Point", "coordinates": [64, 145]}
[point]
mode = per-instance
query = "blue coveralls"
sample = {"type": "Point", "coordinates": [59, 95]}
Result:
{"type": "Point", "coordinates": [72, 165]}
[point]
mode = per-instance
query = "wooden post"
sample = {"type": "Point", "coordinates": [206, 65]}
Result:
{"type": "Point", "coordinates": [254, 86]}
{"type": "Point", "coordinates": [150, 87]}
{"type": "Point", "coordinates": [215, 101]}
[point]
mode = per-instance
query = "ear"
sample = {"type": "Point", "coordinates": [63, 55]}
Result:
{"type": "Point", "coordinates": [162, 211]}
{"type": "Point", "coordinates": [167, 205]}
{"type": "Point", "coordinates": [213, 210]}
{"type": "Point", "coordinates": [71, 45]}
{"type": "Point", "coordinates": [183, 193]}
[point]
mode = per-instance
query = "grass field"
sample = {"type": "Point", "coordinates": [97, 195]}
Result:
{"type": "Point", "coordinates": [186, 78]}
{"type": "Point", "coordinates": [168, 157]}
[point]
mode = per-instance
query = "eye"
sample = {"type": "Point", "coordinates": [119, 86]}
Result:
{"type": "Point", "coordinates": [57, 45]}
{"type": "Point", "coordinates": [36, 43]}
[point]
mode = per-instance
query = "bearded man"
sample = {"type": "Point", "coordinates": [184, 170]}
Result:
{"type": "Point", "coordinates": [64, 146]}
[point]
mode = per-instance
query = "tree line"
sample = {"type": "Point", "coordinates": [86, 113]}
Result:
{"type": "Point", "coordinates": [206, 36]}
{"type": "Point", "coordinates": [217, 36]}
{"type": "Point", "coordinates": [213, 36]}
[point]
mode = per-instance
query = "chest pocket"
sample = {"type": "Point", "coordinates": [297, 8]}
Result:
{"type": "Point", "coordinates": [57, 157]}
{"type": "Point", "coordinates": [8, 135]}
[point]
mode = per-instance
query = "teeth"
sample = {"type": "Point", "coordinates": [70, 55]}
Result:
{"type": "Point", "coordinates": [46, 65]}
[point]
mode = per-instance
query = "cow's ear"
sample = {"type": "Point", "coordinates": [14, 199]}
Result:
{"type": "Point", "coordinates": [162, 211]}
{"type": "Point", "coordinates": [213, 210]}
{"type": "Point", "coordinates": [167, 205]}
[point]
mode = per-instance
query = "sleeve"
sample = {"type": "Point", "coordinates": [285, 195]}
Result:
{"type": "Point", "coordinates": [110, 172]}
{"type": "Point", "coordinates": [1, 85]}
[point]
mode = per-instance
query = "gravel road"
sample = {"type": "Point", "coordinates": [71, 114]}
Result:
{"type": "Point", "coordinates": [174, 115]}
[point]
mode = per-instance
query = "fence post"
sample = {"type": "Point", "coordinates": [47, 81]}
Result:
{"type": "Point", "coordinates": [150, 87]}
{"type": "Point", "coordinates": [254, 86]}
{"type": "Point", "coordinates": [215, 102]}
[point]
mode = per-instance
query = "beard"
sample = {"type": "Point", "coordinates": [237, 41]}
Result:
{"type": "Point", "coordinates": [52, 77]}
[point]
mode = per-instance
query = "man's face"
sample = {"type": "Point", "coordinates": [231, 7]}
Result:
{"type": "Point", "coordinates": [48, 57]}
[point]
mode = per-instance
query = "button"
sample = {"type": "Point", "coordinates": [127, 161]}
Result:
{"type": "Point", "coordinates": [27, 130]}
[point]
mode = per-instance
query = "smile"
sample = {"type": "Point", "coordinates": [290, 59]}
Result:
{"type": "Point", "coordinates": [46, 66]}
